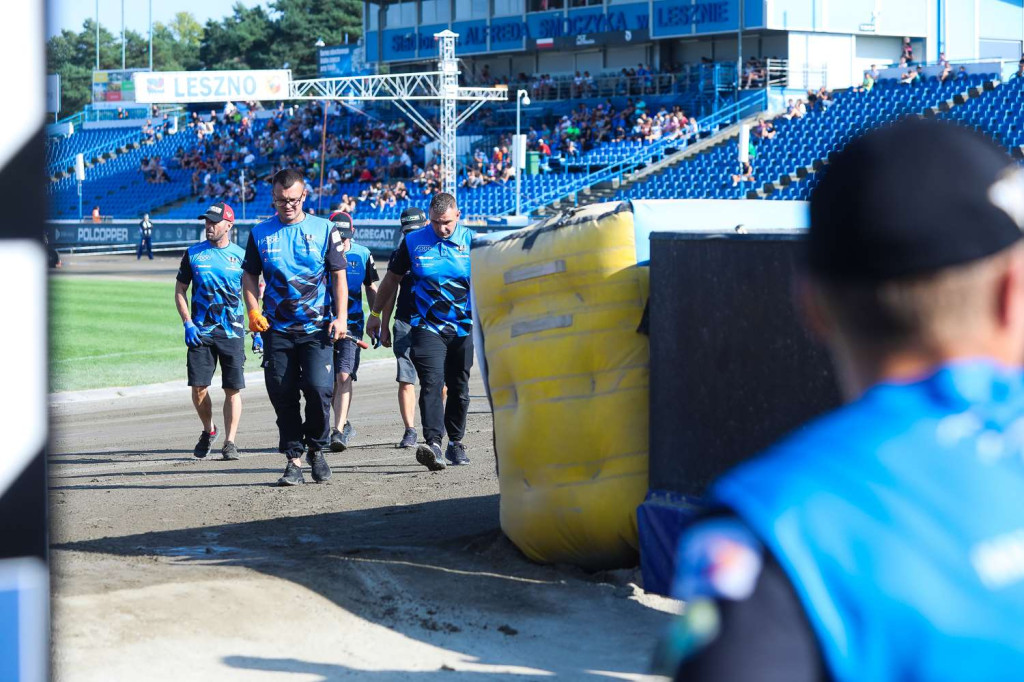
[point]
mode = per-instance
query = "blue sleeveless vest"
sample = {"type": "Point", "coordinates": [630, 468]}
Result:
{"type": "Point", "coordinates": [900, 522]}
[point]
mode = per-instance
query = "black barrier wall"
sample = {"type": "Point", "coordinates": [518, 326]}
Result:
{"type": "Point", "coordinates": [732, 368]}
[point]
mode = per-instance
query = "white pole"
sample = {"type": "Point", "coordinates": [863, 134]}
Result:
{"type": "Point", "coordinates": [516, 153]}
{"type": "Point", "coordinates": [243, 193]}
{"type": "Point", "coordinates": [97, 35]}
{"type": "Point", "coordinates": [123, 62]}
{"type": "Point", "coordinates": [150, 35]}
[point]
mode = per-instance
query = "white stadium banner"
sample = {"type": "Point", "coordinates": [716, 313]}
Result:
{"type": "Point", "coordinates": [167, 87]}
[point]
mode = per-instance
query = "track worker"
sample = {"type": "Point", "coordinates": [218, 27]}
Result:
{"type": "Point", "coordinates": [399, 338]}
{"type": "Point", "coordinates": [362, 274]}
{"type": "Point", "coordinates": [145, 238]}
{"type": "Point", "coordinates": [214, 325]}
{"type": "Point", "coordinates": [300, 257]}
{"type": "Point", "coordinates": [442, 323]}
{"type": "Point", "coordinates": [885, 541]}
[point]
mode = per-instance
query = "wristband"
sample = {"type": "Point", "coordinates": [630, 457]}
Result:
{"type": "Point", "coordinates": [374, 314]}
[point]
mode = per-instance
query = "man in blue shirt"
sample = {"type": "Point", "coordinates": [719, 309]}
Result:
{"type": "Point", "coordinates": [214, 325]}
{"type": "Point", "coordinates": [362, 274]}
{"type": "Point", "coordinates": [300, 257]}
{"type": "Point", "coordinates": [437, 258]}
{"type": "Point", "coordinates": [885, 541]}
{"type": "Point", "coordinates": [399, 338]}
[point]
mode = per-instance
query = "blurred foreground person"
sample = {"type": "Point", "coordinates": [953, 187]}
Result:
{"type": "Point", "coordinates": [885, 541]}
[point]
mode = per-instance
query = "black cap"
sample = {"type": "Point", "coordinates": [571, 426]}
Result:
{"type": "Point", "coordinates": [218, 212]}
{"type": "Point", "coordinates": [343, 223]}
{"type": "Point", "coordinates": [412, 218]}
{"type": "Point", "coordinates": [913, 198]}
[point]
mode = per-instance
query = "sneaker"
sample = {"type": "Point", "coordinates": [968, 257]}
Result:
{"type": "Point", "coordinates": [337, 442]}
{"type": "Point", "coordinates": [229, 451]}
{"type": "Point", "coordinates": [429, 455]}
{"type": "Point", "coordinates": [319, 466]}
{"type": "Point", "coordinates": [292, 475]}
{"type": "Point", "coordinates": [347, 433]}
{"type": "Point", "coordinates": [202, 448]}
{"type": "Point", "coordinates": [409, 439]}
{"type": "Point", "coordinates": [456, 453]}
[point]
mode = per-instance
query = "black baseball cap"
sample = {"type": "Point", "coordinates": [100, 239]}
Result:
{"type": "Point", "coordinates": [343, 222]}
{"type": "Point", "coordinates": [218, 212]}
{"type": "Point", "coordinates": [412, 218]}
{"type": "Point", "coordinates": [913, 198]}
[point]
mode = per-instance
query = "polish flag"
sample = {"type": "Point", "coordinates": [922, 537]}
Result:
{"type": "Point", "coordinates": [545, 43]}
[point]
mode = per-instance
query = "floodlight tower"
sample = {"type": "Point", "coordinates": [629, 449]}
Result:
{"type": "Point", "coordinates": [449, 68]}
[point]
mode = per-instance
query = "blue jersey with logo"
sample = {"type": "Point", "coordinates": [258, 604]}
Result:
{"type": "Point", "coordinates": [361, 272]}
{"type": "Point", "coordinates": [296, 261]}
{"type": "Point", "coordinates": [900, 523]}
{"type": "Point", "coordinates": [440, 279]}
{"type": "Point", "coordinates": [216, 278]}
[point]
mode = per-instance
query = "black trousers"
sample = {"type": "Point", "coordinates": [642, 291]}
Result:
{"type": "Point", "coordinates": [442, 360]}
{"type": "Point", "coordinates": [145, 246]}
{"type": "Point", "coordinates": [294, 363]}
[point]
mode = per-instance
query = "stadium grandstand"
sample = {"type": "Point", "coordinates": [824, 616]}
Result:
{"type": "Point", "coordinates": [627, 103]}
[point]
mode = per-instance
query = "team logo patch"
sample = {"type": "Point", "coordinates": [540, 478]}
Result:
{"type": "Point", "coordinates": [422, 248]}
{"type": "Point", "coordinates": [720, 558]}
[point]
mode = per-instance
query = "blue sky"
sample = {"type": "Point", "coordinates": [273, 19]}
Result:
{"type": "Point", "coordinates": [69, 14]}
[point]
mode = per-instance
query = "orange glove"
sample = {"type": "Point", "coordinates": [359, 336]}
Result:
{"type": "Point", "coordinates": [257, 323]}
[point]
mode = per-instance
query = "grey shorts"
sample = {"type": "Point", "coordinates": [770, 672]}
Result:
{"type": "Point", "coordinates": [346, 357]}
{"type": "Point", "coordinates": [401, 344]}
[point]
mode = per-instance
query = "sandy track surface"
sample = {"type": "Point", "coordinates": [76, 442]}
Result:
{"type": "Point", "coordinates": [171, 568]}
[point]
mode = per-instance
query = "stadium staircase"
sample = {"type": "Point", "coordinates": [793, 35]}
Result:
{"type": "Point", "coordinates": [809, 142]}
{"type": "Point", "coordinates": [801, 147]}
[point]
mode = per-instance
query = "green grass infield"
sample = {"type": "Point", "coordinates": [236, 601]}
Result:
{"type": "Point", "coordinates": [106, 333]}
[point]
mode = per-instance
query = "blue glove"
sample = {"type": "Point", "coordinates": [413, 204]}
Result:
{"type": "Point", "coordinates": [192, 336]}
{"type": "Point", "coordinates": [257, 344]}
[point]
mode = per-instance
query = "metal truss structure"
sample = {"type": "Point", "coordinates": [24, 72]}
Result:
{"type": "Point", "coordinates": [405, 89]}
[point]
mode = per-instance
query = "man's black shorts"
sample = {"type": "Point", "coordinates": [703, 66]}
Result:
{"type": "Point", "coordinates": [230, 353]}
{"type": "Point", "coordinates": [346, 357]}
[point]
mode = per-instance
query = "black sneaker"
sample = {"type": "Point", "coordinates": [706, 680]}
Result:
{"type": "Point", "coordinates": [292, 475]}
{"type": "Point", "coordinates": [429, 455]}
{"type": "Point", "coordinates": [409, 439]}
{"type": "Point", "coordinates": [229, 451]}
{"type": "Point", "coordinates": [202, 448]}
{"type": "Point", "coordinates": [337, 442]}
{"type": "Point", "coordinates": [347, 433]}
{"type": "Point", "coordinates": [456, 453]}
{"type": "Point", "coordinates": [319, 466]}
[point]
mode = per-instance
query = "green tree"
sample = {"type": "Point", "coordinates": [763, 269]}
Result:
{"type": "Point", "coordinates": [300, 23]}
{"type": "Point", "coordinates": [239, 41]}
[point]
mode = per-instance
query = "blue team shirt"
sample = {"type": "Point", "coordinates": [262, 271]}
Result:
{"type": "Point", "coordinates": [361, 272]}
{"type": "Point", "coordinates": [296, 262]}
{"type": "Point", "coordinates": [899, 522]}
{"type": "Point", "coordinates": [440, 279]}
{"type": "Point", "coordinates": [216, 279]}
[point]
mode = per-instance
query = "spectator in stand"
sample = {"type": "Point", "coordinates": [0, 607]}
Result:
{"type": "Point", "coordinates": [947, 73]}
{"type": "Point", "coordinates": [764, 130]}
{"type": "Point", "coordinates": [1020, 70]}
{"type": "Point", "coordinates": [961, 73]}
{"type": "Point", "coordinates": [909, 78]}
{"type": "Point", "coordinates": [867, 84]}
{"type": "Point", "coordinates": [96, 217]}
{"type": "Point", "coordinates": [908, 51]}
{"type": "Point", "coordinates": [746, 174]}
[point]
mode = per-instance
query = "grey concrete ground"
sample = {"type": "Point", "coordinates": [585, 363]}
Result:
{"type": "Point", "coordinates": [171, 568]}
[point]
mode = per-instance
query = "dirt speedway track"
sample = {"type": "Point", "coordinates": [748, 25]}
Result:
{"type": "Point", "coordinates": [169, 568]}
